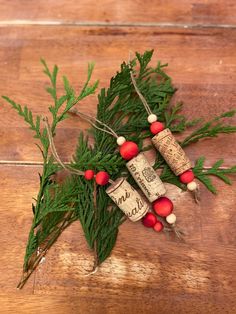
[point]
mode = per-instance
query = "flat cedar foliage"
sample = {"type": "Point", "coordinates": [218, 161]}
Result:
{"type": "Point", "coordinates": [57, 205]}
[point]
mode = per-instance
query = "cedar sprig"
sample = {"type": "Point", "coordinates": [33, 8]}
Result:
{"type": "Point", "coordinates": [87, 157]}
{"type": "Point", "coordinates": [212, 128]}
{"type": "Point", "coordinates": [100, 222]}
{"type": "Point", "coordinates": [204, 174]}
{"type": "Point", "coordinates": [176, 121]}
{"type": "Point", "coordinates": [53, 209]}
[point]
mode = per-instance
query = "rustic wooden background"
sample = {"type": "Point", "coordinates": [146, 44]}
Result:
{"type": "Point", "coordinates": [147, 273]}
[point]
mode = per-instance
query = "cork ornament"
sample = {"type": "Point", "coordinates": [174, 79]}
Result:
{"type": "Point", "coordinates": [123, 194]}
{"type": "Point", "coordinates": [120, 191]}
{"type": "Point", "coordinates": [128, 199]}
{"type": "Point", "coordinates": [165, 142]}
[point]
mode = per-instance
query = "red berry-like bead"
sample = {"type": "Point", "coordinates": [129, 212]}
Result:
{"type": "Point", "coordinates": [128, 150]}
{"type": "Point", "coordinates": [149, 220]}
{"type": "Point", "coordinates": [187, 176]}
{"type": "Point", "coordinates": [156, 127]}
{"type": "Point", "coordinates": [158, 226]}
{"type": "Point", "coordinates": [163, 206]}
{"type": "Point", "coordinates": [102, 178]}
{"type": "Point", "coordinates": [89, 174]}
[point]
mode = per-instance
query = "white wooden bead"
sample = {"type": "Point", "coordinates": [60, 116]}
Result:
{"type": "Point", "coordinates": [171, 219]}
{"type": "Point", "coordinates": [192, 186]}
{"type": "Point", "coordinates": [120, 140]}
{"type": "Point", "coordinates": [152, 118]}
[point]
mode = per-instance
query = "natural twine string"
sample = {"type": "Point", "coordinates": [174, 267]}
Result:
{"type": "Point", "coordinates": [54, 151]}
{"type": "Point", "coordinates": [197, 194]}
{"type": "Point", "coordinates": [143, 100]}
{"type": "Point", "coordinates": [91, 120]}
{"type": "Point", "coordinates": [56, 156]}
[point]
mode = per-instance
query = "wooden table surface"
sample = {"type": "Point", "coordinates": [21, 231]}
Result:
{"type": "Point", "coordinates": [147, 272]}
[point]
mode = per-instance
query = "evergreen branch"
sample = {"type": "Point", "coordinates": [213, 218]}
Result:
{"type": "Point", "coordinates": [53, 209]}
{"type": "Point", "coordinates": [144, 60]}
{"type": "Point", "coordinates": [177, 122]}
{"type": "Point", "coordinates": [53, 79]}
{"type": "Point", "coordinates": [28, 117]}
{"type": "Point", "coordinates": [87, 158]}
{"type": "Point", "coordinates": [72, 100]}
{"type": "Point", "coordinates": [203, 174]}
{"type": "Point", "coordinates": [107, 225]}
{"type": "Point", "coordinates": [211, 129]}
{"type": "Point", "coordinates": [88, 90]}
{"type": "Point", "coordinates": [36, 256]}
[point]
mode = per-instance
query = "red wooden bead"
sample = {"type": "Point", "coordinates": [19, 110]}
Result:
{"type": "Point", "coordinates": [89, 174]}
{"type": "Point", "coordinates": [156, 127]}
{"type": "Point", "coordinates": [158, 226]}
{"type": "Point", "coordinates": [149, 220]}
{"type": "Point", "coordinates": [128, 150]}
{"type": "Point", "coordinates": [187, 176]}
{"type": "Point", "coordinates": [102, 178]}
{"type": "Point", "coordinates": [163, 206]}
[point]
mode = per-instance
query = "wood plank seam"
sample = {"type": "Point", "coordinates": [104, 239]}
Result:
{"type": "Point", "coordinates": [24, 163]}
{"type": "Point", "coordinates": [112, 24]}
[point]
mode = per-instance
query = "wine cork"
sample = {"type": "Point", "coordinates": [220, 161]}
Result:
{"type": "Point", "coordinates": [128, 199]}
{"type": "Point", "coordinates": [146, 177]}
{"type": "Point", "coordinates": [171, 151]}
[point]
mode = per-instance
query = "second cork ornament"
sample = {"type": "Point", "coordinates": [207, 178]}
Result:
{"type": "Point", "coordinates": [166, 144]}
{"type": "Point", "coordinates": [149, 182]}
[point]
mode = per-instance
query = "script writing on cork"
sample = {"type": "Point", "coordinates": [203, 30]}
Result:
{"type": "Point", "coordinates": [128, 199]}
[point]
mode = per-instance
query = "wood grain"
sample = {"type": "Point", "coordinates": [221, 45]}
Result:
{"type": "Point", "coordinates": [121, 12]}
{"type": "Point", "coordinates": [202, 68]}
{"type": "Point", "coordinates": [15, 221]}
{"type": "Point", "coordinates": [111, 305]}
